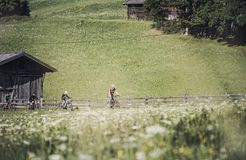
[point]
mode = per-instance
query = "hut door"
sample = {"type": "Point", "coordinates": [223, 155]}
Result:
{"type": "Point", "coordinates": [28, 85]}
{"type": "Point", "coordinates": [36, 86]}
{"type": "Point", "coordinates": [23, 89]}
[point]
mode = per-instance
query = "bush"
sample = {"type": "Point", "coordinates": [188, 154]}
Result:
{"type": "Point", "coordinates": [212, 19]}
{"type": "Point", "coordinates": [14, 7]}
{"type": "Point", "coordinates": [198, 132]}
{"type": "Point", "coordinates": [172, 26]}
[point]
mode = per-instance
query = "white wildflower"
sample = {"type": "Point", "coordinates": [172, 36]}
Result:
{"type": "Point", "coordinates": [136, 127]}
{"type": "Point", "coordinates": [55, 123]}
{"type": "Point", "coordinates": [210, 128]}
{"type": "Point", "coordinates": [17, 127]}
{"type": "Point", "coordinates": [32, 156]}
{"type": "Point", "coordinates": [212, 137]}
{"type": "Point", "coordinates": [131, 139]}
{"type": "Point", "coordinates": [62, 138]}
{"type": "Point", "coordinates": [114, 140]}
{"type": "Point", "coordinates": [33, 130]}
{"type": "Point", "coordinates": [62, 147]}
{"type": "Point", "coordinates": [85, 157]}
{"type": "Point", "coordinates": [223, 154]}
{"type": "Point", "coordinates": [156, 153]}
{"type": "Point", "coordinates": [66, 113]}
{"type": "Point", "coordinates": [55, 157]}
{"type": "Point", "coordinates": [107, 133]}
{"type": "Point", "coordinates": [47, 138]}
{"type": "Point", "coordinates": [223, 150]}
{"type": "Point", "coordinates": [3, 125]}
{"type": "Point", "coordinates": [154, 130]}
{"type": "Point", "coordinates": [140, 156]}
{"type": "Point", "coordinates": [26, 142]}
{"type": "Point", "coordinates": [166, 122]}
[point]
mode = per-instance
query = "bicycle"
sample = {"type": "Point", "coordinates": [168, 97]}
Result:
{"type": "Point", "coordinates": [114, 103]}
{"type": "Point", "coordinates": [33, 105]}
{"type": "Point", "coordinates": [67, 103]}
{"type": "Point", "coordinates": [9, 106]}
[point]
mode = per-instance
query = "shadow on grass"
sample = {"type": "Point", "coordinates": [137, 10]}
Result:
{"type": "Point", "coordinates": [233, 41]}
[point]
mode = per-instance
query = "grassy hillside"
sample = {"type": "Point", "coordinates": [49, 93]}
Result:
{"type": "Point", "coordinates": [92, 45]}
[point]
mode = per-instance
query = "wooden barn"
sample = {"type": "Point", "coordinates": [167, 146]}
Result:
{"type": "Point", "coordinates": [135, 9]}
{"type": "Point", "coordinates": [21, 75]}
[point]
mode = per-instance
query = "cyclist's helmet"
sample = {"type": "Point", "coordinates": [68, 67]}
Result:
{"type": "Point", "coordinates": [113, 87]}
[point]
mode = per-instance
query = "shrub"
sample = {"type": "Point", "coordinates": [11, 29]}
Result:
{"type": "Point", "coordinates": [198, 133]}
{"type": "Point", "coordinates": [213, 19]}
{"type": "Point", "coordinates": [14, 7]}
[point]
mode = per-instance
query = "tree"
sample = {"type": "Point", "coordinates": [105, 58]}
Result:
{"type": "Point", "coordinates": [158, 10]}
{"type": "Point", "coordinates": [206, 18]}
{"type": "Point", "coordinates": [14, 7]}
{"type": "Point", "coordinates": [234, 19]}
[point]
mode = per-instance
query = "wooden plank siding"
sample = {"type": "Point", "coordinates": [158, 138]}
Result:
{"type": "Point", "coordinates": [21, 86]}
{"type": "Point", "coordinates": [136, 11]}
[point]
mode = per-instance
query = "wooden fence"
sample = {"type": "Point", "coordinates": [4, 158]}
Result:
{"type": "Point", "coordinates": [130, 102]}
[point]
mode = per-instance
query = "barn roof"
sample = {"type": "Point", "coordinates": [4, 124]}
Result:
{"type": "Point", "coordinates": [8, 57]}
{"type": "Point", "coordinates": [134, 2]}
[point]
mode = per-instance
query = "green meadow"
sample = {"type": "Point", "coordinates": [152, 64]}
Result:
{"type": "Point", "coordinates": [93, 45]}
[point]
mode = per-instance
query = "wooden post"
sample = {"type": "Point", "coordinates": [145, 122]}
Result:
{"type": "Point", "coordinates": [186, 99]}
{"type": "Point", "coordinates": [165, 100]}
{"type": "Point", "coordinates": [146, 101]}
{"type": "Point", "coordinates": [186, 31]}
{"type": "Point", "coordinates": [41, 102]}
{"type": "Point", "coordinates": [55, 101]}
{"type": "Point", "coordinates": [129, 102]}
{"type": "Point", "coordinates": [89, 103]}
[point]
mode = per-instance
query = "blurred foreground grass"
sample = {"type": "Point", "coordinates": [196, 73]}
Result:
{"type": "Point", "coordinates": [190, 133]}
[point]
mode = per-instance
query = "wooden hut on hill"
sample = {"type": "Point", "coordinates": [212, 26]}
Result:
{"type": "Point", "coordinates": [21, 75]}
{"type": "Point", "coordinates": [135, 9]}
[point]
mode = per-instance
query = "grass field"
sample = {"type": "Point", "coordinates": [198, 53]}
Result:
{"type": "Point", "coordinates": [109, 49]}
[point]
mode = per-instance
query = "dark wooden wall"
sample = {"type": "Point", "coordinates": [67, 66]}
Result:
{"type": "Point", "coordinates": [28, 84]}
{"type": "Point", "coordinates": [20, 86]}
{"type": "Point", "coordinates": [136, 11]}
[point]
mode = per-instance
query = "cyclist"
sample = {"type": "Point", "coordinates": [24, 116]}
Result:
{"type": "Point", "coordinates": [65, 99]}
{"type": "Point", "coordinates": [112, 94]}
{"type": "Point", "coordinates": [33, 101]}
{"type": "Point", "coordinates": [8, 103]}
